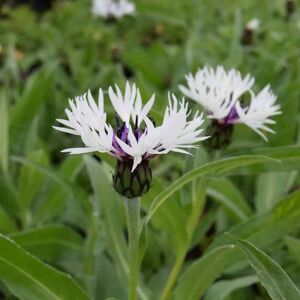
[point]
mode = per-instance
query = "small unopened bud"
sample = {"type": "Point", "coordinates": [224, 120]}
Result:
{"type": "Point", "coordinates": [290, 7]}
{"type": "Point", "coordinates": [250, 28]}
{"type": "Point", "coordinates": [115, 53]}
{"type": "Point", "coordinates": [132, 184]}
{"type": "Point", "coordinates": [220, 135]}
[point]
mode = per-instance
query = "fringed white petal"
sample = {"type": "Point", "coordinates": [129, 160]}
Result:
{"type": "Point", "coordinates": [130, 106]}
{"type": "Point", "coordinates": [216, 89]}
{"type": "Point", "coordinates": [87, 119]}
{"type": "Point", "coordinates": [261, 108]}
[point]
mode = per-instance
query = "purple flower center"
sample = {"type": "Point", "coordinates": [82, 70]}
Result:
{"type": "Point", "coordinates": [121, 131]}
{"type": "Point", "coordinates": [231, 117]}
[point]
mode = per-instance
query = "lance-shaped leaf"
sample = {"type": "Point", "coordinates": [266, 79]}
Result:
{"type": "Point", "coordinates": [28, 278]}
{"type": "Point", "coordinates": [276, 281]}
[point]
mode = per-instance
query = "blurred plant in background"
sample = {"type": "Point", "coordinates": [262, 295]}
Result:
{"type": "Point", "coordinates": [112, 8]}
{"type": "Point", "coordinates": [60, 215]}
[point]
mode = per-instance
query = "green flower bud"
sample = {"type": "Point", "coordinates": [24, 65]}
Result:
{"type": "Point", "coordinates": [220, 135]}
{"type": "Point", "coordinates": [132, 184]}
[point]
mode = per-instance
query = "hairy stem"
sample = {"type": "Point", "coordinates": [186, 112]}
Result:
{"type": "Point", "coordinates": [173, 275]}
{"type": "Point", "coordinates": [133, 220]}
{"type": "Point", "coordinates": [191, 226]}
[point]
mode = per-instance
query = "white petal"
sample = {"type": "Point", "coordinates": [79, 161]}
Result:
{"type": "Point", "coordinates": [136, 161]}
{"type": "Point", "coordinates": [66, 130]}
{"type": "Point", "coordinates": [216, 89]}
{"type": "Point", "coordinates": [261, 108]}
{"type": "Point", "coordinates": [88, 120]}
{"type": "Point", "coordinates": [177, 132]}
{"type": "Point", "coordinates": [101, 101]}
{"type": "Point", "coordinates": [79, 150]}
{"type": "Point", "coordinates": [147, 107]}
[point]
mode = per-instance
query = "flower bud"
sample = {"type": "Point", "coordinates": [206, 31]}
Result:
{"type": "Point", "coordinates": [220, 135]}
{"type": "Point", "coordinates": [290, 7]}
{"type": "Point", "coordinates": [132, 184]}
{"type": "Point", "coordinates": [250, 28]}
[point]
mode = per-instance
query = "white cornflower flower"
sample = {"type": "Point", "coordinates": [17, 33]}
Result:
{"type": "Point", "coordinates": [220, 93]}
{"type": "Point", "coordinates": [253, 24]}
{"type": "Point", "coordinates": [134, 140]}
{"type": "Point", "coordinates": [112, 8]}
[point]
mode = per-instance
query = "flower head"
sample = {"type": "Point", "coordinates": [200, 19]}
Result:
{"type": "Point", "coordinates": [221, 92]}
{"type": "Point", "coordinates": [253, 24]}
{"type": "Point", "coordinates": [250, 28]}
{"type": "Point", "coordinates": [112, 8]}
{"type": "Point", "coordinates": [134, 140]}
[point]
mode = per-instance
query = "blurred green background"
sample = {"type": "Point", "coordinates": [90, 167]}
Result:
{"type": "Point", "coordinates": [53, 51]}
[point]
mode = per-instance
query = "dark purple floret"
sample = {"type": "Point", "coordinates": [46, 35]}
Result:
{"type": "Point", "coordinates": [231, 117]}
{"type": "Point", "coordinates": [121, 131]}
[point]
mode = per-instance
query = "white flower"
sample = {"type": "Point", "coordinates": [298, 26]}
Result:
{"type": "Point", "coordinates": [220, 93]}
{"type": "Point", "coordinates": [253, 24]}
{"type": "Point", "coordinates": [134, 137]}
{"type": "Point", "coordinates": [112, 8]}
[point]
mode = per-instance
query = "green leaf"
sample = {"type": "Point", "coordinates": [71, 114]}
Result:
{"type": "Point", "coordinates": [50, 243]}
{"type": "Point", "coordinates": [224, 192]}
{"type": "Point", "coordinates": [294, 247]}
{"type": "Point", "coordinates": [30, 179]}
{"type": "Point", "coordinates": [267, 228]}
{"type": "Point", "coordinates": [276, 281]}
{"type": "Point", "coordinates": [8, 196]}
{"type": "Point", "coordinates": [4, 134]}
{"type": "Point", "coordinates": [28, 278]}
{"type": "Point", "coordinates": [165, 12]}
{"type": "Point", "coordinates": [71, 192]}
{"type": "Point", "coordinates": [27, 107]}
{"type": "Point", "coordinates": [199, 276]}
{"type": "Point", "coordinates": [170, 217]}
{"type": "Point", "coordinates": [49, 172]}
{"type": "Point", "coordinates": [214, 168]}
{"type": "Point", "coordinates": [289, 157]}
{"type": "Point", "coordinates": [107, 198]}
{"type": "Point", "coordinates": [266, 197]}
{"type": "Point", "coordinates": [223, 288]}
{"type": "Point", "coordinates": [206, 222]}
{"type": "Point", "coordinates": [263, 230]}
{"type": "Point", "coordinates": [7, 223]}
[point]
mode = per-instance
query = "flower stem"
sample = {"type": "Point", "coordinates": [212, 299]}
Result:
{"type": "Point", "coordinates": [173, 275]}
{"type": "Point", "coordinates": [133, 219]}
{"type": "Point", "coordinates": [191, 226]}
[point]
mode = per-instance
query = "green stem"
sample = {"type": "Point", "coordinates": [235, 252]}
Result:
{"type": "Point", "coordinates": [133, 220]}
{"type": "Point", "coordinates": [90, 255]}
{"type": "Point", "coordinates": [197, 209]}
{"type": "Point", "coordinates": [173, 275]}
{"type": "Point", "coordinates": [191, 226]}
